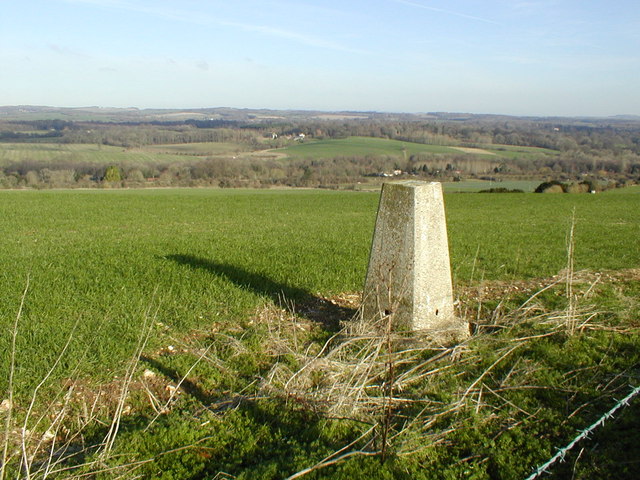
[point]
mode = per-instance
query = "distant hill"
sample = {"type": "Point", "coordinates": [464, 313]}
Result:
{"type": "Point", "coordinates": [627, 117]}
{"type": "Point", "coordinates": [34, 112]}
{"type": "Point", "coordinates": [248, 115]}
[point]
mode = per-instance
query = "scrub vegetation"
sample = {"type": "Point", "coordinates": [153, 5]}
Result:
{"type": "Point", "coordinates": [208, 333]}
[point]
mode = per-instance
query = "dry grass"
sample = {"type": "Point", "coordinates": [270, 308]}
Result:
{"type": "Point", "coordinates": [369, 373]}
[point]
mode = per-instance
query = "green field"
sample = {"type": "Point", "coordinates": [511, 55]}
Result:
{"type": "Point", "coordinates": [198, 148]}
{"type": "Point", "coordinates": [104, 257]}
{"type": "Point", "coordinates": [99, 265]}
{"type": "Point", "coordinates": [46, 153]}
{"type": "Point", "coordinates": [474, 186]}
{"type": "Point", "coordinates": [362, 146]}
{"type": "Point", "coordinates": [511, 151]}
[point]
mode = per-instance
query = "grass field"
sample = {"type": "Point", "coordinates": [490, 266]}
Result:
{"type": "Point", "coordinates": [360, 146]}
{"type": "Point", "coordinates": [198, 148]}
{"type": "Point", "coordinates": [512, 151]}
{"type": "Point", "coordinates": [379, 146]}
{"type": "Point", "coordinates": [45, 153]}
{"type": "Point", "coordinates": [473, 186]}
{"type": "Point", "coordinates": [102, 258]}
{"type": "Point", "coordinates": [99, 265]}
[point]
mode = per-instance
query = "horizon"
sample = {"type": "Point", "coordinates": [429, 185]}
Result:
{"type": "Point", "coordinates": [372, 112]}
{"type": "Point", "coordinates": [543, 58]}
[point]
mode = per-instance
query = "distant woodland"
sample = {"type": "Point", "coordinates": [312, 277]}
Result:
{"type": "Point", "coordinates": [263, 151]}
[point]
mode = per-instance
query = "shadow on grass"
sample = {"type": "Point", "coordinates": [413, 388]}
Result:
{"type": "Point", "coordinates": [186, 385]}
{"type": "Point", "coordinates": [294, 299]}
{"type": "Point", "coordinates": [255, 439]}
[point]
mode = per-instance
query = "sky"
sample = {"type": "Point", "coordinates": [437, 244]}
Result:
{"type": "Point", "coordinates": [514, 57]}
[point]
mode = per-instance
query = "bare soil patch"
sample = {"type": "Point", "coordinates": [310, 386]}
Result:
{"type": "Point", "coordinates": [269, 154]}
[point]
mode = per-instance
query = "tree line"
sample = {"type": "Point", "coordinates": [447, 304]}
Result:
{"type": "Point", "coordinates": [606, 152]}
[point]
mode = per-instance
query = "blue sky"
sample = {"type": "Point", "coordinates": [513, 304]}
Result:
{"type": "Point", "coordinates": [529, 57]}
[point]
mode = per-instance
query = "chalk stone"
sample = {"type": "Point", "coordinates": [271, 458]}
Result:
{"type": "Point", "coordinates": [409, 275]}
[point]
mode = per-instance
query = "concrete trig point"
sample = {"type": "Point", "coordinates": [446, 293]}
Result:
{"type": "Point", "coordinates": [409, 275]}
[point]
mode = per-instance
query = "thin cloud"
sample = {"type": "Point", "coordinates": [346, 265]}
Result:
{"type": "Point", "coordinates": [199, 18]}
{"type": "Point", "coordinates": [447, 12]}
{"type": "Point", "coordinates": [294, 36]}
{"type": "Point", "coordinates": [66, 51]}
{"type": "Point", "coordinates": [102, 3]}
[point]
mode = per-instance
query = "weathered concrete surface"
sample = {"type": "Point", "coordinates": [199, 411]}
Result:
{"type": "Point", "coordinates": [409, 275]}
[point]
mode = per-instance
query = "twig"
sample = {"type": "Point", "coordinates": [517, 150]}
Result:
{"type": "Point", "coordinates": [34, 396]}
{"type": "Point", "coordinates": [335, 457]}
{"type": "Point", "coordinates": [174, 391]}
{"type": "Point", "coordinates": [551, 285]}
{"type": "Point", "coordinates": [479, 379]}
{"type": "Point", "coordinates": [507, 401]}
{"type": "Point", "coordinates": [571, 306]}
{"type": "Point", "coordinates": [12, 365]}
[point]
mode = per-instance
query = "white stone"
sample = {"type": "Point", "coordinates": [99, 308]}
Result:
{"type": "Point", "coordinates": [5, 405]}
{"type": "Point", "coordinates": [409, 275]}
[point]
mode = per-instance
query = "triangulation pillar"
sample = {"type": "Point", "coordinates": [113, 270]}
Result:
{"type": "Point", "coordinates": [409, 276]}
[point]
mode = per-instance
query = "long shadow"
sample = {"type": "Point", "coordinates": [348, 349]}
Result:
{"type": "Point", "coordinates": [185, 384]}
{"type": "Point", "coordinates": [296, 300]}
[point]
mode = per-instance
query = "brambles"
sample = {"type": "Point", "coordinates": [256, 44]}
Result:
{"type": "Point", "coordinates": [585, 186]}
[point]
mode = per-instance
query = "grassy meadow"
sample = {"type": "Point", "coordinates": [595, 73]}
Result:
{"type": "Point", "coordinates": [360, 146]}
{"type": "Point", "coordinates": [329, 148]}
{"type": "Point", "coordinates": [198, 148]}
{"type": "Point", "coordinates": [198, 266]}
{"type": "Point", "coordinates": [47, 153]}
